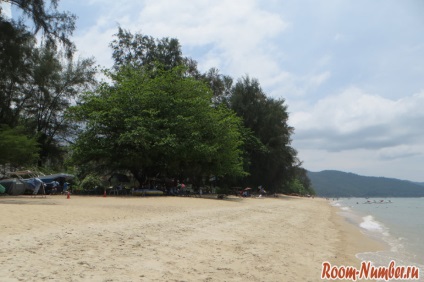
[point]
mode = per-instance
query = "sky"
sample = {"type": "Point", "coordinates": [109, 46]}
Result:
{"type": "Point", "coordinates": [351, 72]}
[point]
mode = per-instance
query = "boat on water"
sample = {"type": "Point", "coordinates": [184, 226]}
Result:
{"type": "Point", "coordinates": [379, 202]}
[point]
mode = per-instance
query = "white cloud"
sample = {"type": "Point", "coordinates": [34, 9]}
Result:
{"type": "Point", "coordinates": [355, 119]}
{"type": "Point", "coordinates": [6, 10]}
{"type": "Point", "coordinates": [95, 42]}
{"type": "Point", "coordinates": [319, 79]}
{"type": "Point", "coordinates": [235, 33]}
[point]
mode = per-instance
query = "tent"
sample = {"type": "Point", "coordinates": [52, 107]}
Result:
{"type": "Point", "coordinates": [14, 186]}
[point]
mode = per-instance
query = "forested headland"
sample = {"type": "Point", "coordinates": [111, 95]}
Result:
{"type": "Point", "coordinates": [332, 183]}
{"type": "Point", "coordinates": [154, 114]}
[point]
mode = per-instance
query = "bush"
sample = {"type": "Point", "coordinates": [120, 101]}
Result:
{"type": "Point", "coordinates": [90, 182]}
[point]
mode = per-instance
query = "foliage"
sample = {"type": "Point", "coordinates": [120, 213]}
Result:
{"type": "Point", "coordinates": [297, 187]}
{"type": "Point", "coordinates": [221, 85]}
{"type": "Point", "coordinates": [16, 148]}
{"type": "Point", "coordinates": [90, 182]}
{"type": "Point", "coordinates": [154, 122]}
{"type": "Point", "coordinates": [145, 51]}
{"type": "Point", "coordinates": [36, 86]}
{"type": "Point", "coordinates": [54, 25]}
{"type": "Point", "coordinates": [16, 58]}
{"type": "Point", "coordinates": [269, 154]}
{"type": "Point", "coordinates": [302, 181]}
{"type": "Point", "coordinates": [53, 86]}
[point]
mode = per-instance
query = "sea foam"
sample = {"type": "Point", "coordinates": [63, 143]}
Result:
{"type": "Point", "coordinates": [370, 224]}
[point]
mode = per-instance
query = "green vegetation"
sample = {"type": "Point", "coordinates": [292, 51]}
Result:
{"type": "Point", "coordinates": [156, 116]}
{"type": "Point", "coordinates": [16, 148]}
{"type": "Point", "coordinates": [157, 123]}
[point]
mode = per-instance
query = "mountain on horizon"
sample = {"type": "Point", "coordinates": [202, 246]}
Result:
{"type": "Point", "coordinates": [333, 183]}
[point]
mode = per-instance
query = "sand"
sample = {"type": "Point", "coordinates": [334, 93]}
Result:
{"type": "Point", "coordinates": [172, 239]}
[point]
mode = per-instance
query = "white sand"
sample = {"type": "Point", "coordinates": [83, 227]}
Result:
{"type": "Point", "coordinates": [171, 239]}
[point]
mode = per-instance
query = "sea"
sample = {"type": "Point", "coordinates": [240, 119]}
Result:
{"type": "Point", "coordinates": [397, 222]}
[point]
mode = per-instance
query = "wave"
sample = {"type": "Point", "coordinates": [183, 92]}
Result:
{"type": "Point", "coordinates": [370, 224]}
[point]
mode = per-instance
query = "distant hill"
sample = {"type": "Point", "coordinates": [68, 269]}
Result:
{"type": "Point", "coordinates": [332, 183]}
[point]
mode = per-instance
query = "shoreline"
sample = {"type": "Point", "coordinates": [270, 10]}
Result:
{"type": "Point", "coordinates": [91, 238]}
{"type": "Point", "coordinates": [352, 240]}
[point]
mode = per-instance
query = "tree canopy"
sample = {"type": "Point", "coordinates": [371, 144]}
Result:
{"type": "Point", "coordinates": [38, 83]}
{"type": "Point", "coordinates": [156, 115]}
{"type": "Point", "coordinates": [271, 160]}
{"type": "Point", "coordinates": [55, 26]}
{"type": "Point", "coordinates": [157, 123]}
{"type": "Point", "coordinates": [15, 148]}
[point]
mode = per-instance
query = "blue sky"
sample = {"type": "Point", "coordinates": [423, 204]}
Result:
{"type": "Point", "coordinates": [351, 72]}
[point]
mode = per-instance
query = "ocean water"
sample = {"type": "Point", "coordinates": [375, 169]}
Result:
{"type": "Point", "coordinates": [397, 222]}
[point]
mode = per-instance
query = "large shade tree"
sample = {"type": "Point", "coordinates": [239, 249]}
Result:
{"type": "Point", "coordinates": [154, 121]}
{"type": "Point", "coordinates": [271, 161]}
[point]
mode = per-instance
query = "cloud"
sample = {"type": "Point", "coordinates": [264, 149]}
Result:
{"type": "Point", "coordinates": [400, 152]}
{"type": "Point", "coordinates": [236, 34]}
{"type": "Point", "coordinates": [6, 10]}
{"type": "Point", "coordinates": [237, 37]}
{"type": "Point", "coordinates": [358, 120]}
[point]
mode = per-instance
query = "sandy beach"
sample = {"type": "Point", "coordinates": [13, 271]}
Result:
{"type": "Point", "coordinates": [172, 239]}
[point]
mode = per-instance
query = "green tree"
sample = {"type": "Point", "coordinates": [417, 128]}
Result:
{"type": "Point", "coordinates": [270, 162]}
{"type": "Point", "coordinates": [16, 60]}
{"type": "Point", "coordinates": [220, 84]}
{"type": "Point", "coordinates": [158, 121]}
{"type": "Point", "coordinates": [54, 25]}
{"type": "Point", "coordinates": [51, 88]}
{"type": "Point", "coordinates": [138, 50]}
{"type": "Point", "coordinates": [16, 149]}
{"type": "Point", "coordinates": [37, 86]}
{"type": "Point", "coordinates": [301, 175]}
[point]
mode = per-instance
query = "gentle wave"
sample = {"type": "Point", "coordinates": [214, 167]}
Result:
{"type": "Point", "coordinates": [370, 224]}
